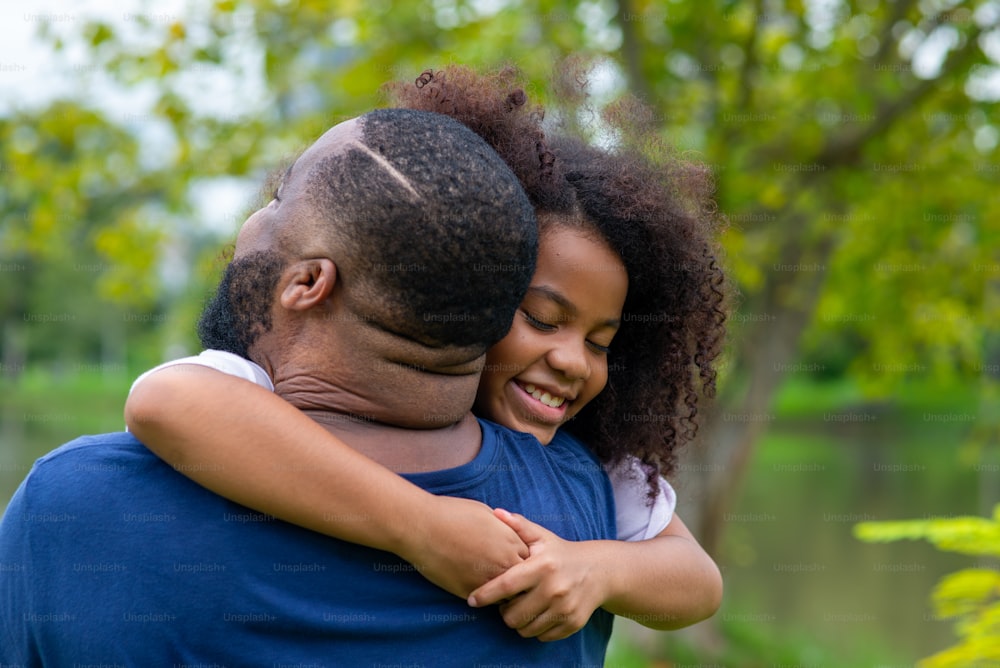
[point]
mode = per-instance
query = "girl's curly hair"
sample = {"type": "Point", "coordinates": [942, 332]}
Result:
{"type": "Point", "coordinates": [673, 323]}
{"type": "Point", "coordinates": [656, 212]}
{"type": "Point", "coordinates": [494, 106]}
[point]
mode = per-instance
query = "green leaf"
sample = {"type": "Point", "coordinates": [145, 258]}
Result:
{"type": "Point", "coordinates": [965, 591]}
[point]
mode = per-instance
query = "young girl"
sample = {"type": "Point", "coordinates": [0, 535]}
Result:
{"type": "Point", "coordinates": [625, 269]}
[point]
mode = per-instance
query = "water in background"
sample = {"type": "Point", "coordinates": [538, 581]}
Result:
{"type": "Point", "coordinates": [792, 561]}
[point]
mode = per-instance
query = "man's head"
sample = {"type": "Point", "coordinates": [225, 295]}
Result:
{"type": "Point", "coordinates": [431, 236]}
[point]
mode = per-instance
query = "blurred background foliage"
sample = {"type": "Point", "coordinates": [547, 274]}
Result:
{"type": "Point", "coordinates": [970, 596]}
{"type": "Point", "coordinates": [855, 148]}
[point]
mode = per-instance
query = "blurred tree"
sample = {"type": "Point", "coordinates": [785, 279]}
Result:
{"type": "Point", "coordinates": [854, 142]}
{"type": "Point", "coordinates": [855, 147]}
{"type": "Point", "coordinates": [77, 240]}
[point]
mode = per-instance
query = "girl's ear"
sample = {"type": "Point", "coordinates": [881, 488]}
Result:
{"type": "Point", "coordinates": [307, 283]}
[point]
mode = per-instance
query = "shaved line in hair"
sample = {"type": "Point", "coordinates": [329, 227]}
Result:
{"type": "Point", "coordinates": [387, 166]}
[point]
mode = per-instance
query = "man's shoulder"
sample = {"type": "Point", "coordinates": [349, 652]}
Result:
{"type": "Point", "coordinates": [562, 486]}
{"type": "Point", "coordinates": [571, 449]}
{"type": "Point", "coordinates": [497, 428]}
{"type": "Point", "coordinates": [112, 445]}
{"type": "Point", "coordinates": [565, 451]}
{"type": "Point", "coordinates": [74, 469]}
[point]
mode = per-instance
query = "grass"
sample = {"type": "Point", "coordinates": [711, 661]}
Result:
{"type": "Point", "coordinates": [913, 400]}
{"type": "Point", "coordinates": [65, 407]}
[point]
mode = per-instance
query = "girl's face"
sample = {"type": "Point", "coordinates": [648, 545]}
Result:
{"type": "Point", "coordinates": [554, 359]}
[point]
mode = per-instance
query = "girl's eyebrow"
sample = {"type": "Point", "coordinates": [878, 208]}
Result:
{"type": "Point", "coordinates": [554, 295]}
{"type": "Point", "coordinates": [559, 298]}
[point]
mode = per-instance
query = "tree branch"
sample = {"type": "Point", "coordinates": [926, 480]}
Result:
{"type": "Point", "coordinates": [886, 41]}
{"type": "Point", "coordinates": [632, 53]}
{"type": "Point", "coordinates": [846, 148]}
{"type": "Point", "coordinates": [750, 59]}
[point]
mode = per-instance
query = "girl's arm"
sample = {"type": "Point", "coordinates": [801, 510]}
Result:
{"type": "Point", "coordinates": [665, 582]}
{"type": "Point", "coordinates": [249, 445]}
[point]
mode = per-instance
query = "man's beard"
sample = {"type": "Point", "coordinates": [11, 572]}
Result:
{"type": "Point", "coordinates": [240, 309]}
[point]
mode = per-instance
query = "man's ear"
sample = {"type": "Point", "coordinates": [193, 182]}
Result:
{"type": "Point", "coordinates": [307, 283]}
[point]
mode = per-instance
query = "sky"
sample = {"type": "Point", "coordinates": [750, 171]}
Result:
{"type": "Point", "coordinates": [31, 74]}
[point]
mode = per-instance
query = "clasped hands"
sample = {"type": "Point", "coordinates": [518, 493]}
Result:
{"type": "Point", "coordinates": [546, 587]}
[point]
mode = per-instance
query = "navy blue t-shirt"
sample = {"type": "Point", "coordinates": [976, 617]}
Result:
{"type": "Point", "coordinates": [110, 557]}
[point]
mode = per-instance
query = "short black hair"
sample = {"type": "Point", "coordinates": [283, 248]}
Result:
{"type": "Point", "coordinates": [440, 239]}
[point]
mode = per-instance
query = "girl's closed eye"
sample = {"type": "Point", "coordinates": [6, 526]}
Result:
{"type": "Point", "coordinates": [537, 323]}
{"type": "Point", "coordinates": [602, 349]}
{"type": "Point", "coordinates": [540, 324]}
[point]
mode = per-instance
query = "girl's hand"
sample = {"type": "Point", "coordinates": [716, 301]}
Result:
{"type": "Point", "coordinates": [463, 545]}
{"type": "Point", "coordinates": [552, 594]}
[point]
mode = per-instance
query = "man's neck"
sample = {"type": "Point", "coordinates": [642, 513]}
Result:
{"type": "Point", "coordinates": [406, 450]}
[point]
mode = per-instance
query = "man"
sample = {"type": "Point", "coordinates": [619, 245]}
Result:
{"type": "Point", "coordinates": [360, 290]}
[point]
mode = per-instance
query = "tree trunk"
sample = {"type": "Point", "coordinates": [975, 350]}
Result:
{"type": "Point", "coordinates": [712, 469]}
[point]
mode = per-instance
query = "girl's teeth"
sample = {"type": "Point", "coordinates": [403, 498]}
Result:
{"type": "Point", "coordinates": [544, 397]}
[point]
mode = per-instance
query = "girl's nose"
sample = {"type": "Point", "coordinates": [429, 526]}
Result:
{"type": "Point", "coordinates": [570, 359]}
